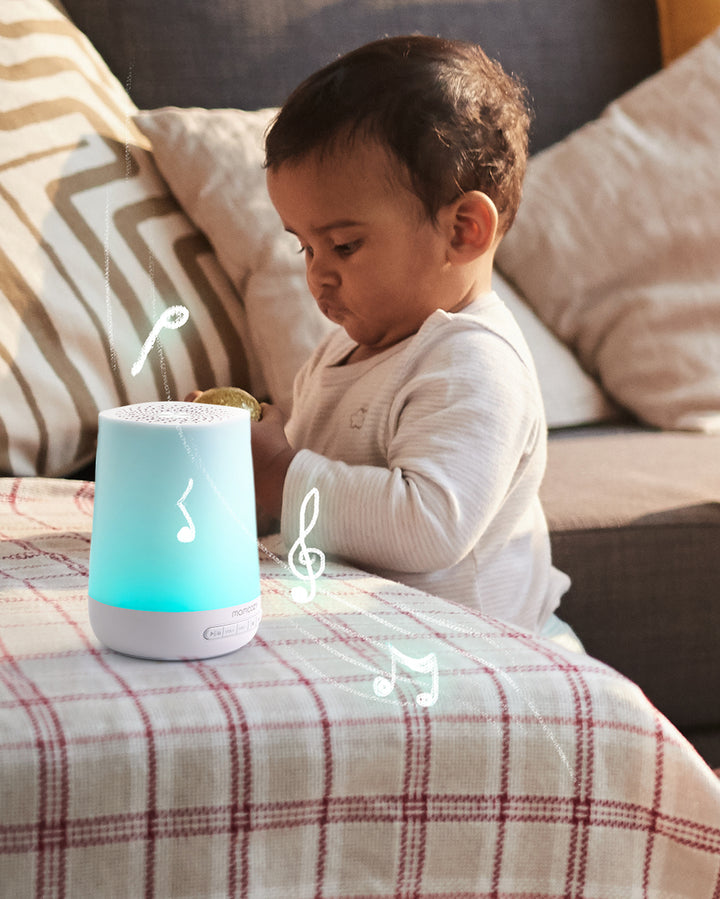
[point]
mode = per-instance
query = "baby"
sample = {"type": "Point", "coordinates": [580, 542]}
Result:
{"type": "Point", "coordinates": [419, 419]}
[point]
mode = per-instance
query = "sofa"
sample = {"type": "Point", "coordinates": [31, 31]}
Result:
{"type": "Point", "coordinates": [131, 183]}
{"type": "Point", "coordinates": [631, 494]}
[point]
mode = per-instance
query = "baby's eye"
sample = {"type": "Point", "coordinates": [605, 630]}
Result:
{"type": "Point", "coordinates": [347, 249]}
{"type": "Point", "coordinates": [306, 251]}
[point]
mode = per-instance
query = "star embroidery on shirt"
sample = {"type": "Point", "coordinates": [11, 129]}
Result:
{"type": "Point", "coordinates": [357, 419]}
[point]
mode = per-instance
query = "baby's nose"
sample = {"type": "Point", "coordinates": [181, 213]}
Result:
{"type": "Point", "coordinates": [321, 272]}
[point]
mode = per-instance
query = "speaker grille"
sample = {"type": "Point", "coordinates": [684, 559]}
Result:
{"type": "Point", "coordinates": [175, 413]}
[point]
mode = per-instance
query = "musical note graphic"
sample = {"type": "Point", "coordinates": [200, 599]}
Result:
{"type": "Point", "coordinates": [305, 556]}
{"type": "Point", "coordinates": [186, 534]}
{"type": "Point", "coordinates": [382, 686]}
{"type": "Point", "coordinates": [172, 318]}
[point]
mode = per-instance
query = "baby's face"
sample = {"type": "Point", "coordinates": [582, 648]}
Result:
{"type": "Point", "coordinates": [375, 263]}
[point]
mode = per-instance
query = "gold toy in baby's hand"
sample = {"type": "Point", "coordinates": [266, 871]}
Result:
{"type": "Point", "coordinates": [231, 396]}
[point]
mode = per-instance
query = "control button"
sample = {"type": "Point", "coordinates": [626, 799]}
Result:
{"type": "Point", "coordinates": [249, 621]}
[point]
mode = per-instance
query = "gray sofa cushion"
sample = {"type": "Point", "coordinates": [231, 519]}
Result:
{"type": "Point", "coordinates": [574, 56]}
{"type": "Point", "coordinates": [635, 521]}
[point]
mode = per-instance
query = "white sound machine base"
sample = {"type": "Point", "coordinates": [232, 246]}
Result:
{"type": "Point", "coordinates": [174, 636]}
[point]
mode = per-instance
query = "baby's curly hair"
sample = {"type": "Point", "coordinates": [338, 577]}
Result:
{"type": "Point", "coordinates": [452, 116]}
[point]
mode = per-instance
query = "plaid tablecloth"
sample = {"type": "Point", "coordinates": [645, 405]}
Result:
{"type": "Point", "coordinates": [290, 769]}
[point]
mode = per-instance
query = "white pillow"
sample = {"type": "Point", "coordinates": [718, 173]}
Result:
{"type": "Point", "coordinates": [570, 396]}
{"type": "Point", "coordinates": [213, 162]}
{"type": "Point", "coordinates": [617, 244]}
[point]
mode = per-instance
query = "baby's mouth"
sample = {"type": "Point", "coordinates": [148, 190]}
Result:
{"type": "Point", "coordinates": [333, 311]}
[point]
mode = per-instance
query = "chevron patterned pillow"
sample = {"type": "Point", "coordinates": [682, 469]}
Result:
{"type": "Point", "coordinates": [109, 295]}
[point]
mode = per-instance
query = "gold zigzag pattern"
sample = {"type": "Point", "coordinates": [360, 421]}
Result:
{"type": "Point", "coordinates": [130, 160]}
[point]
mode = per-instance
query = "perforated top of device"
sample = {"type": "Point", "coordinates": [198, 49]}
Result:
{"type": "Point", "coordinates": [175, 413]}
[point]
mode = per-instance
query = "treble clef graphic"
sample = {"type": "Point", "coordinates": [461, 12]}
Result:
{"type": "Point", "coordinates": [172, 318]}
{"type": "Point", "coordinates": [305, 556]}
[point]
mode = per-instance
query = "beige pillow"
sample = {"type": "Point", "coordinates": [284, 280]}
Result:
{"type": "Point", "coordinates": [213, 161]}
{"type": "Point", "coordinates": [94, 255]}
{"type": "Point", "coordinates": [617, 244]}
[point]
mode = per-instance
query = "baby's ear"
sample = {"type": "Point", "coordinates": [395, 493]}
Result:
{"type": "Point", "coordinates": [472, 222]}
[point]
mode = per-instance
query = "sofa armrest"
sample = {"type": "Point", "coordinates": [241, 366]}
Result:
{"type": "Point", "coordinates": [634, 517]}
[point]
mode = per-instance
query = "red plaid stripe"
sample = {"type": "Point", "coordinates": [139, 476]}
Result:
{"type": "Point", "coordinates": [278, 771]}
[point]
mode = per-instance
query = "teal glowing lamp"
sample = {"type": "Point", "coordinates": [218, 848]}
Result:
{"type": "Point", "coordinates": [174, 571]}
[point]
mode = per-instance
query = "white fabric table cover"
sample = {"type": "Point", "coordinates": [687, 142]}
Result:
{"type": "Point", "coordinates": [277, 771]}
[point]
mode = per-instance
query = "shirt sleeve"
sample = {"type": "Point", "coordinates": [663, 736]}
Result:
{"type": "Point", "coordinates": [461, 428]}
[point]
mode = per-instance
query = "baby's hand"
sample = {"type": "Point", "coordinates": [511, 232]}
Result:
{"type": "Point", "coordinates": [272, 455]}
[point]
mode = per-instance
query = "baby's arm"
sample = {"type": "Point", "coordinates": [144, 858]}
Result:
{"type": "Point", "coordinates": [272, 455]}
{"type": "Point", "coordinates": [458, 433]}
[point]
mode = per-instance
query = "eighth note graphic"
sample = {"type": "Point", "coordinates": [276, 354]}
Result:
{"type": "Point", "coordinates": [172, 318]}
{"type": "Point", "coordinates": [305, 556]}
{"type": "Point", "coordinates": [426, 665]}
{"type": "Point", "coordinates": [186, 534]}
